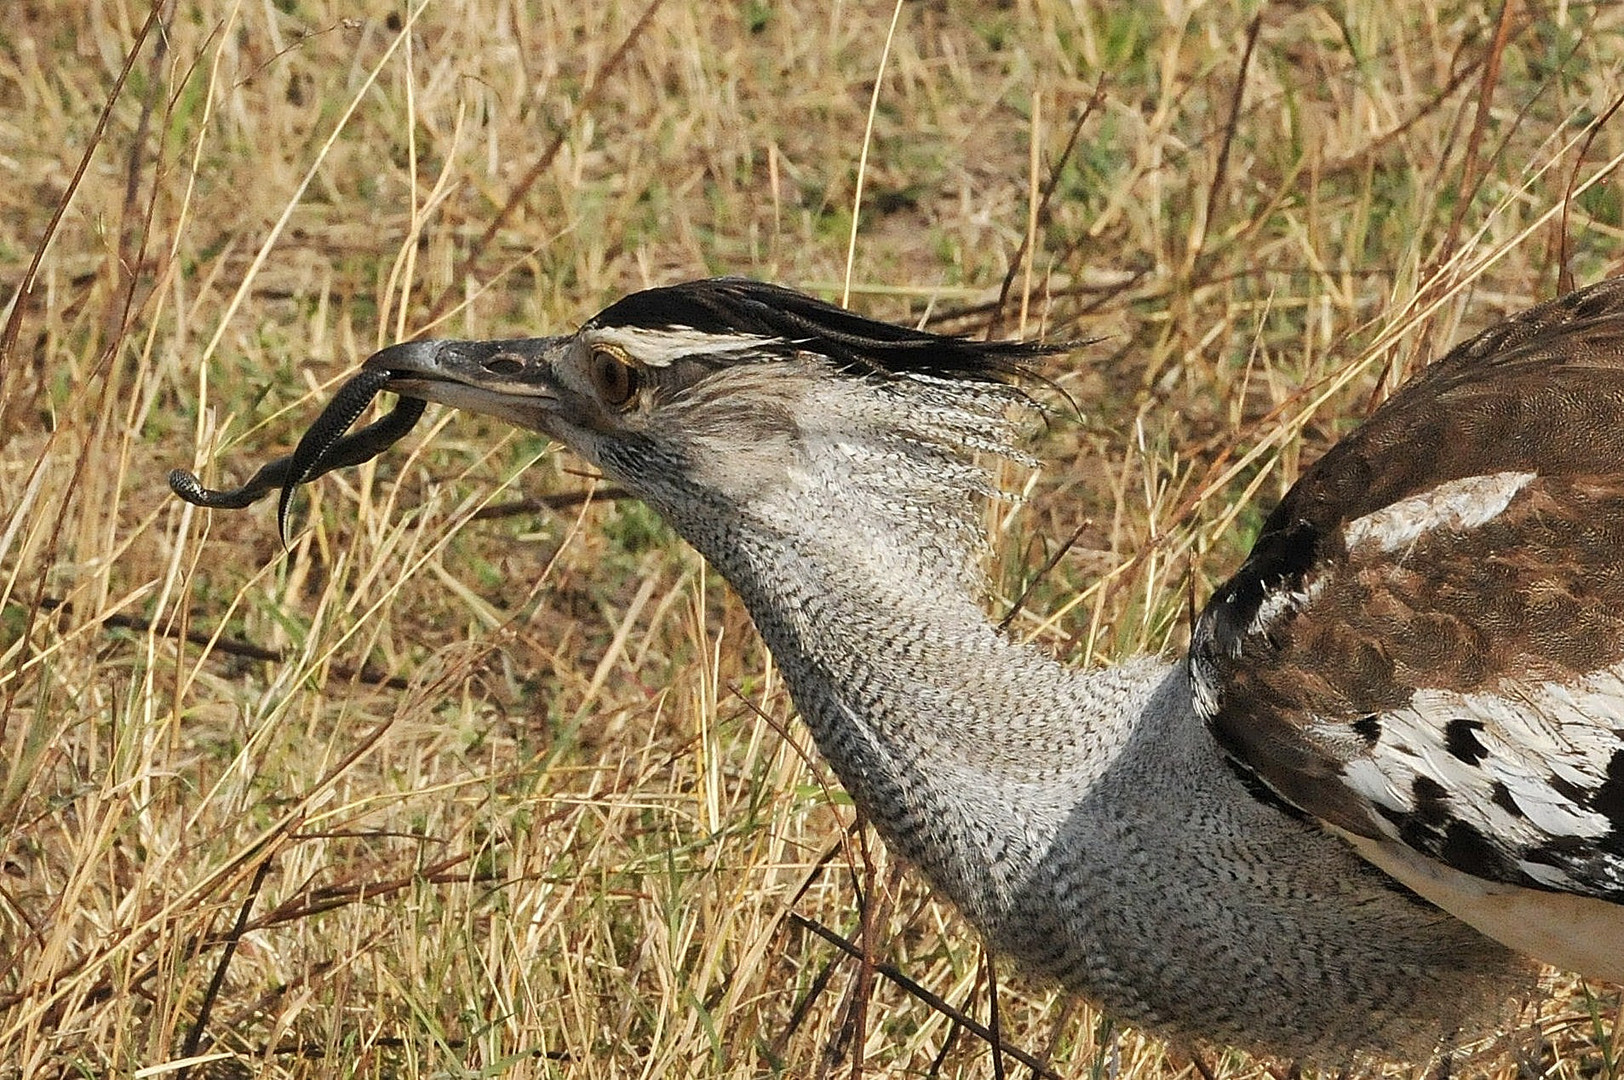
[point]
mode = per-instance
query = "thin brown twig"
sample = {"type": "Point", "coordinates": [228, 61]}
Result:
{"type": "Point", "coordinates": [130, 261]}
{"type": "Point", "coordinates": [798, 1015]}
{"type": "Point", "coordinates": [301, 39]}
{"type": "Point", "coordinates": [565, 500]}
{"type": "Point", "coordinates": [1375, 146]}
{"type": "Point", "coordinates": [874, 901]}
{"type": "Point", "coordinates": [841, 846]}
{"type": "Point", "coordinates": [982, 316]}
{"type": "Point", "coordinates": [1231, 126]}
{"type": "Point", "coordinates": [231, 646]}
{"type": "Point", "coordinates": [952, 1036]}
{"type": "Point", "coordinates": [316, 901]}
{"type": "Point", "coordinates": [21, 912]}
{"type": "Point", "coordinates": [890, 972]}
{"type": "Point", "coordinates": [542, 162]}
{"type": "Point", "coordinates": [1057, 1031]}
{"type": "Point", "coordinates": [303, 905]}
{"type": "Point", "coordinates": [1043, 572]}
{"type": "Point", "coordinates": [1045, 195]}
{"type": "Point", "coordinates": [993, 1023]}
{"type": "Point", "coordinates": [309, 1050]}
{"type": "Point", "coordinates": [194, 1037]}
{"type": "Point", "coordinates": [1470, 178]}
{"type": "Point", "coordinates": [13, 327]}
{"type": "Point", "coordinates": [1564, 273]}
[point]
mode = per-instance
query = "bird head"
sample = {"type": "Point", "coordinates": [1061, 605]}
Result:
{"type": "Point", "coordinates": [724, 399]}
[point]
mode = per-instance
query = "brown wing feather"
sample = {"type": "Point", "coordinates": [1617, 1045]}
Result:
{"type": "Point", "coordinates": [1349, 678]}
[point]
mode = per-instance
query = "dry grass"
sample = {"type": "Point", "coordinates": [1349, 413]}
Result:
{"type": "Point", "coordinates": [522, 794]}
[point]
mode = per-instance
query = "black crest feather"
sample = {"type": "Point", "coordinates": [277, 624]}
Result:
{"type": "Point", "coordinates": [730, 305]}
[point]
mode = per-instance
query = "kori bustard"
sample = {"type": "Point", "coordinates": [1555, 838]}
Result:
{"type": "Point", "coordinates": [1413, 688]}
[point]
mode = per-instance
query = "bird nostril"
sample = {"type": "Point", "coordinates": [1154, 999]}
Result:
{"type": "Point", "coordinates": [504, 364]}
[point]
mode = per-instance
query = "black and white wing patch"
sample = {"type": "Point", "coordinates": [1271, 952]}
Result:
{"type": "Point", "coordinates": [1426, 644]}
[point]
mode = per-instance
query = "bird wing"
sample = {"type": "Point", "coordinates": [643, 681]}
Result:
{"type": "Point", "coordinates": [1426, 643]}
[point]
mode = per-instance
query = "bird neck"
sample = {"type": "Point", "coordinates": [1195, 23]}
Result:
{"type": "Point", "coordinates": [964, 749]}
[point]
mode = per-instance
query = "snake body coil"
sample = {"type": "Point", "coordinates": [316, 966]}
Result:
{"type": "Point", "coordinates": [324, 447]}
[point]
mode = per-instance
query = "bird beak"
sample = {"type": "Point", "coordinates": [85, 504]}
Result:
{"type": "Point", "coordinates": [510, 380]}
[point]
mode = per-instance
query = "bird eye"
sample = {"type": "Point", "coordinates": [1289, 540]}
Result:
{"type": "Point", "coordinates": [615, 380]}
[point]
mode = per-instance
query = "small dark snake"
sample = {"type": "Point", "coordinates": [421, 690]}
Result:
{"type": "Point", "coordinates": [323, 448]}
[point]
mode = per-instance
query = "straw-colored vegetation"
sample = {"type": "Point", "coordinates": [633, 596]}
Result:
{"type": "Point", "coordinates": [447, 792]}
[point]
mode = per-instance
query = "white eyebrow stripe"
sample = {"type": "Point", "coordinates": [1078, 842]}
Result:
{"type": "Point", "coordinates": [662, 347]}
{"type": "Point", "coordinates": [1458, 505]}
